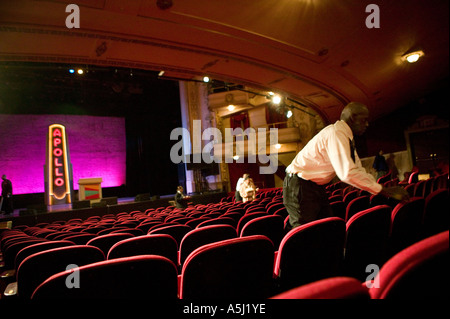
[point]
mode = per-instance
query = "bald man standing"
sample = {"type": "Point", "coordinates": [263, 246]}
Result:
{"type": "Point", "coordinates": [328, 154]}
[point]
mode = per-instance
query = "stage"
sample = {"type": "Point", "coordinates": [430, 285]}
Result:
{"type": "Point", "coordinates": [49, 214]}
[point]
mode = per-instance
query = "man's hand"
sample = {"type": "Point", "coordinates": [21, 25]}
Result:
{"type": "Point", "coordinates": [395, 192]}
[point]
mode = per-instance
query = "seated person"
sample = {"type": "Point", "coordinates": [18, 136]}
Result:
{"type": "Point", "coordinates": [180, 198]}
{"type": "Point", "coordinates": [248, 190]}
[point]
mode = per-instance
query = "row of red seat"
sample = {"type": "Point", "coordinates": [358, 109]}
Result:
{"type": "Point", "coordinates": [308, 253]}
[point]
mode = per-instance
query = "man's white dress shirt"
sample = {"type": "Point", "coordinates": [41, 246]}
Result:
{"type": "Point", "coordinates": [327, 154]}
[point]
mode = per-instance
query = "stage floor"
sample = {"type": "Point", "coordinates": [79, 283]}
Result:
{"type": "Point", "coordinates": [68, 207]}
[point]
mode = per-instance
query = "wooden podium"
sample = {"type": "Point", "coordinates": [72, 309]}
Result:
{"type": "Point", "coordinates": [90, 189]}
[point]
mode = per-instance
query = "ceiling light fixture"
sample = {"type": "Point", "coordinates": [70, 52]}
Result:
{"type": "Point", "coordinates": [289, 114]}
{"type": "Point", "coordinates": [205, 79]}
{"type": "Point", "coordinates": [413, 56]}
{"type": "Point", "coordinates": [276, 99]}
{"type": "Point", "coordinates": [231, 107]}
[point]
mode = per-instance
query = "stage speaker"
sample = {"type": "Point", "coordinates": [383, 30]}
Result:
{"type": "Point", "coordinates": [142, 197]}
{"type": "Point", "coordinates": [37, 208]}
{"type": "Point", "coordinates": [81, 204]}
{"type": "Point", "coordinates": [99, 204]}
{"type": "Point", "coordinates": [109, 200]}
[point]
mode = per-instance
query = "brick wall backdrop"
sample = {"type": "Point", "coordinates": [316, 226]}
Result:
{"type": "Point", "coordinates": [97, 148]}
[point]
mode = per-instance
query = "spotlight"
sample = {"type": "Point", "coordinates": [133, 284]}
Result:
{"type": "Point", "coordinates": [276, 99]}
{"type": "Point", "coordinates": [413, 56]}
{"type": "Point", "coordinates": [231, 107]}
{"type": "Point", "coordinates": [206, 79]}
{"type": "Point", "coordinates": [278, 146]}
{"type": "Point", "coordinates": [161, 73]}
{"type": "Point", "coordinates": [71, 71]}
{"type": "Point", "coordinates": [236, 157]}
{"type": "Point", "coordinates": [80, 71]}
{"type": "Point", "coordinates": [288, 113]}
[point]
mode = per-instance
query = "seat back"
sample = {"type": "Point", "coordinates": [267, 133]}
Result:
{"type": "Point", "coordinates": [367, 238]}
{"type": "Point", "coordinates": [13, 248]}
{"type": "Point", "coordinates": [271, 226]}
{"type": "Point", "coordinates": [338, 209]}
{"type": "Point", "coordinates": [356, 205]}
{"type": "Point", "coordinates": [248, 216]}
{"type": "Point", "coordinates": [348, 197]}
{"type": "Point", "coordinates": [147, 277]}
{"type": "Point", "coordinates": [223, 220]}
{"type": "Point", "coordinates": [233, 268]}
{"type": "Point", "coordinates": [406, 224]}
{"type": "Point", "coordinates": [177, 231]}
{"type": "Point", "coordinates": [417, 272]}
{"type": "Point", "coordinates": [202, 236]}
{"type": "Point", "coordinates": [310, 252]}
{"type": "Point", "coordinates": [155, 244]}
{"type": "Point", "coordinates": [35, 248]}
{"type": "Point", "coordinates": [436, 217]}
{"type": "Point", "coordinates": [38, 267]}
{"type": "Point", "coordinates": [105, 242]}
{"type": "Point", "coordinates": [81, 238]}
{"type": "Point", "coordinates": [329, 288]}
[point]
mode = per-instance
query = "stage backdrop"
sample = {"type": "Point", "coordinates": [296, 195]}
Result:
{"type": "Point", "coordinates": [97, 147]}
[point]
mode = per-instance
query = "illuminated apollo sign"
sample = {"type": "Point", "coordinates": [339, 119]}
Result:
{"type": "Point", "coordinates": [58, 167]}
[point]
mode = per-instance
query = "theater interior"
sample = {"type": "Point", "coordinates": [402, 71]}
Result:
{"type": "Point", "coordinates": [124, 78]}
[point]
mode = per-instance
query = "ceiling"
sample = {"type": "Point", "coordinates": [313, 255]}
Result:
{"type": "Point", "coordinates": [317, 52]}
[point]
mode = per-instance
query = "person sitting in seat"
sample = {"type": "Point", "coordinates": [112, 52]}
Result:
{"type": "Point", "coordinates": [248, 190]}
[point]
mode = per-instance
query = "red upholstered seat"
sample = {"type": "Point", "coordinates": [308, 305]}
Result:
{"type": "Point", "coordinates": [310, 252]}
{"type": "Point", "coordinates": [230, 269]}
{"type": "Point", "coordinates": [329, 288]}
{"type": "Point", "coordinates": [202, 236]}
{"type": "Point", "coordinates": [36, 268]}
{"type": "Point", "coordinates": [148, 277]}
{"type": "Point", "coordinates": [417, 272]}
{"type": "Point", "coordinates": [367, 238]}
{"type": "Point", "coordinates": [155, 244]}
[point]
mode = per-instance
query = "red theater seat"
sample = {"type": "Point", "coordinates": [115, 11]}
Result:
{"type": "Point", "coordinates": [202, 236]}
{"type": "Point", "coordinates": [105, 242]}
{"type": "Point", "coordinates": [247, 217]}
{"type": "Point", "coordinates": [155, 244]}
{"type": "Point", "coordinates": [330, 288]}
{"type": "Point", "coordinates": [149, 277]}
{"type": "Point", "coordinates": [33, 249]}
{"type": "Point", "coordinates": [406, 224]}
{"type": "Point", "coordinates": [271, 226]}
{"type": "Point", "coordinates": [310, 252]}
{"type": "Point", "coordinates": [230, 269]}
{"type": "Point", "coordinates": [177, 231]}
{"type": "Point", "coordinates": [223, 220]}
{"type": "Point", "coordinates": [356, 205]}
{"type": "Point", "coordinates": [436, 216]}
{"type": "Point", "coordinates": [417, 272]}
{"type": "Point", "coordinates": [80, 238]}
{"type": "Point", "coordinates": [36, 268]}
{"type": "Point", "coordinates": [367, 240]}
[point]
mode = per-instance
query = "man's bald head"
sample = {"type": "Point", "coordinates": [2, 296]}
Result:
{"type": "Point", "coordinates": [356, 115]}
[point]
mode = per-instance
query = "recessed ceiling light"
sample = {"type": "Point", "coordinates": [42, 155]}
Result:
{"type": "Point", "coordinates": [413, 56]}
